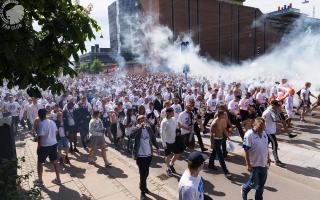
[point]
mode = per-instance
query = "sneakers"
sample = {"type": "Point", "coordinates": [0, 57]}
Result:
{"type": "Point", "coordinates": [93, 160]}
{"type": "Point", "coordinates": [56, 181]}
{"type": "Point", "coordinates": [108, 165]}
{"type": "Point", "coordinates": [280, 164]}
{"type": "Point", "coordinates": [204, 149]}
{"type": "Point", "coordinates": [243, 195]}
{"type": "Point", "coordinates": [169, 173]}
{"type": "Point", "coordinates": [38, 183]}
{"type": "Point", "coordinates": [173, 170]}
{"type": "Point", "coordinates": [292, 135]}
{"type": "Point", "coordinates": [227, 175]}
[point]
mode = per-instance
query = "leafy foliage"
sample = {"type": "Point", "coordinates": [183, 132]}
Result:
{"type": "Point", "coordinates": [33, 59]}
{"type": "Point", "coordinates": [93, 68]}
{"type": "Point", "coordinates": [10, 181]}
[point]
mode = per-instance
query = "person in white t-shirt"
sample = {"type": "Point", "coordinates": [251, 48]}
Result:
{"type": "Point", "coordinates": [13, 108]}
{"type": "Point", "coordinates": [176, 107]}
{"type": "Point", "coordinates": [185, 126]}
{"type": "Point", "coordinates": [271, 117]}
{"type": "Point", "coordinates": [47, 146]}
{"type": "Point", "coordinates": [229, 97]}
{"type": "Point", "coordinates": [191, 184]}
{"type": "Point", "coordinates": [305, 97]}
{"type": "Point", "coordinates": [255, 144]}
{"type": "Point", "coordinates": [212, 104]}
{"type": "Point", "coordinates": [168, 137]}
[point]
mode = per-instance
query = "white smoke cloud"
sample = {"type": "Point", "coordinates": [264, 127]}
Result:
{"type": "Point", "coordinates": [296, 57]}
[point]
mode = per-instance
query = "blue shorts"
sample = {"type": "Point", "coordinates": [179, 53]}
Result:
{"type": "Point", "coordinates": [63, 143]}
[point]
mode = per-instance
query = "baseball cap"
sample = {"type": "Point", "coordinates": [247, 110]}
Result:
{"type": "Point", "coordinates": [196, 158]}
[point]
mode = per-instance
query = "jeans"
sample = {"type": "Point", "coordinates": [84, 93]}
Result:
{"type": "Point", "coordinates": [218, 151]}
{"type": "Point", "coordinates": [84, 136]}
{"type": "Point", "coordinates": [197, 133]}
{"type": "Point", "coordinates": [257, 178]}
{"type": "Point", "coordinates": [144, 164]}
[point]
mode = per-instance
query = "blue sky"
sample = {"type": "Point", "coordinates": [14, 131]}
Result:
{"type": "Point", "coordinates": [100, 13]}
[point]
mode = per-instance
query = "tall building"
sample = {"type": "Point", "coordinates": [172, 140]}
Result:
{"type": "Point", "coordinates": [120, 14]}
{"type": "Point", "coordinates": [225, 30]}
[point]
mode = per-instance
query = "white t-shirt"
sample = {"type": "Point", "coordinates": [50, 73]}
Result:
{"type": "Point", "coordinates": [13, 108]}
{"type": "Point", "coordinates": [127, 105]}
{"type": "Point", "coordinates": [229, 98]}
{"type": "Point", "coordinates": [233, 107]}
{"type": "Point", "coordinates": [190, 187]}
{"type": "Point", "coordinates": [168, 131]}
{"type": "Point", "coordinates": [244, 104]}
{"type": "Point", "coordinates": [184, 119]}
{"type": "Point", "coordinates": [177, 110]}
{"type": "Point", "coordinates": [51, 105]}
{"type": "Point", "coordinates": [261, 97]}
{"type": "Point", "coordinates": [305, 94]}
{"type": "Point", "coordinates": [48, 131]}
{"type": "Point", "coordinates": [257, 146]}
{"type": "Point", "coordinates": [289, 103]}
{"type": "Point", "coordinates": [270, 123]}
{"type": "Point", "coordinates": [212, 105]}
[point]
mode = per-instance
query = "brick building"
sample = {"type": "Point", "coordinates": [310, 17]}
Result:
{"type": "Point", "coordinates": [226, 30]}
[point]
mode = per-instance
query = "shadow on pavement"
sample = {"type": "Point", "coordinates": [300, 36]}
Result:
{"type": "Point", "coordinates": [155, 196]}
{"type": "Point", "coordinates": [239, 179]}
{"type": "Point", "coordinates": [74, 171]}
{"type": "Point", "coordinates": [307, 171]}
{"type": "Point", "coordinates": [270, 189]}
{"type": "Point", "coordinates": [63, 193]}
{"type": "Point", "coordinates": [209, 189]}
{"type": "Point", "coordinates": [112, 172]}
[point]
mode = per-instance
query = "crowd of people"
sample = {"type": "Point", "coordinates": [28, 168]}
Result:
{"type": "Point", "coordinates": [134, 110]}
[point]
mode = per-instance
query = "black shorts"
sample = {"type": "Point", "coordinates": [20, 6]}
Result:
{"type": "Point", "coordinates": [44, 152]}
{"type": "Point", "coordinates": [244, 115]}
{"type": "Point", "coordinates": [170, 148]}
{"type": "Point", "coordinates": [179, 144]}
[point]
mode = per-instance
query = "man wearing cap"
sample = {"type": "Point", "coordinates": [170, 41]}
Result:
{"type": "Point", "coordinates": [271, 116]}
{"type": "Point", "coordinates": [190, 184]}
{"type": "Point", "coordinates": [168, 136]}
{"type": "Point", "coordinates": [255, 144]}
{"type": "Point", "coordinates": [144, 138]}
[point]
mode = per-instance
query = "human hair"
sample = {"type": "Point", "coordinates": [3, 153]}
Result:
{"type": "Point", "coordinates": [129, 113]}
{"type": "Point", "coordinates": [95, 114]}
{"type": "Point", "coordinates": [258, 120]}
{"type": "Point", "coordinates": [42, 114]}
{"type": "Point", "coordinates": [193, 166]}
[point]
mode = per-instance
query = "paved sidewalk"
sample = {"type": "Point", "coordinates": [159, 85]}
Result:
{"type": "Point", "coordinates": [84, 181]}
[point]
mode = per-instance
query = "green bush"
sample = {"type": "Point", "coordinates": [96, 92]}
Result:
{"type": "Point", "coordinates": [10, 182]}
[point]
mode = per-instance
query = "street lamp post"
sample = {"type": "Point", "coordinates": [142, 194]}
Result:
{"type": "Point", "coordinates": [186, 67]}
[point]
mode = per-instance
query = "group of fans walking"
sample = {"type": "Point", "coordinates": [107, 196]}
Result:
{"type": "Point", "coordinates": [134, 110]}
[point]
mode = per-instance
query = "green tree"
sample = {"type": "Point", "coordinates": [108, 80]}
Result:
{"type": "Point", "coordinates": [33, 59]}
{"type": "Point", "coordinates": [96, 66]}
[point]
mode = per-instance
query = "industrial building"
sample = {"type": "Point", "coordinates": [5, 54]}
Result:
{"type": "Point", "coordinates": [226, 30]}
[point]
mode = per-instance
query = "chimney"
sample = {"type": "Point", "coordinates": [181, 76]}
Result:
{"type": "Point", "coordinates": [92, 49]}
{"type": "Point", "coordinates": [97, 48]}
